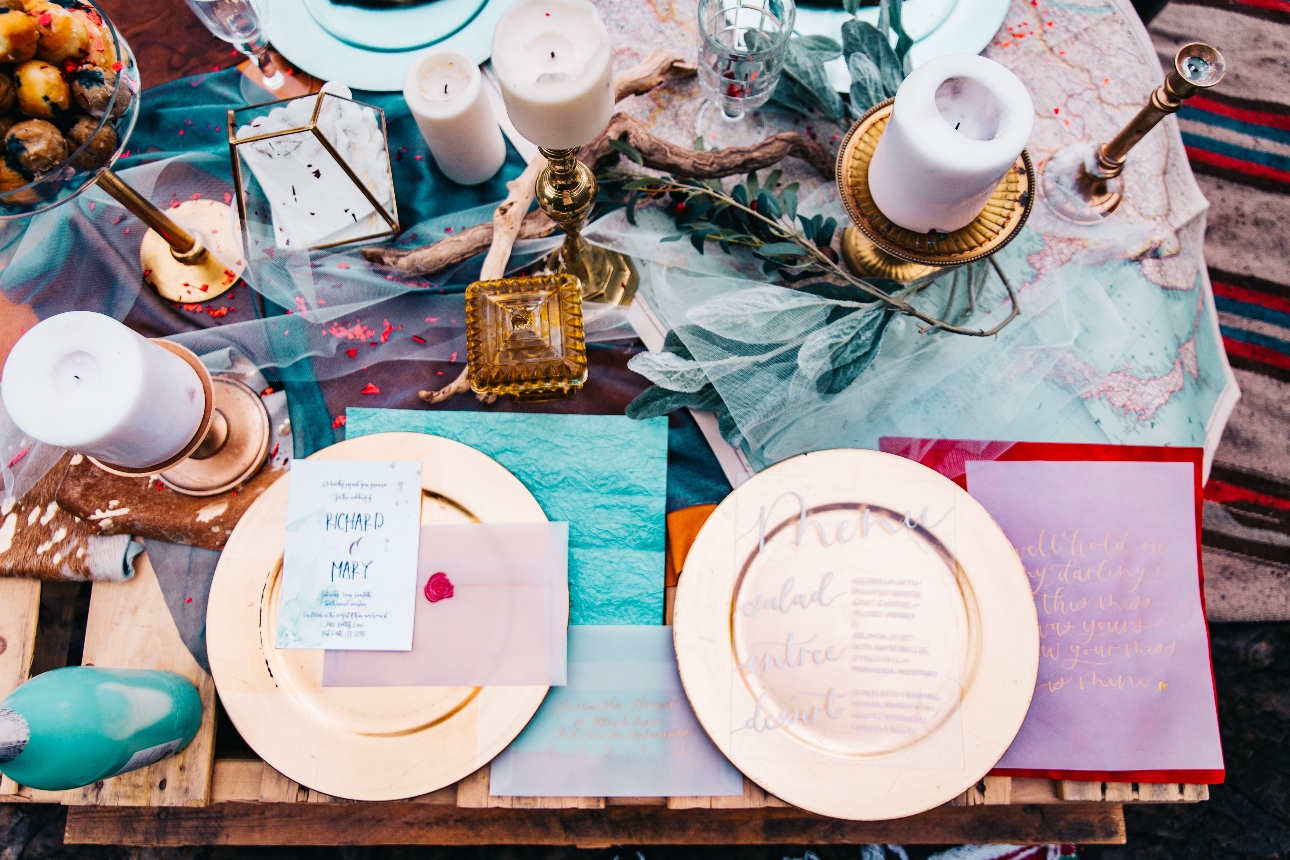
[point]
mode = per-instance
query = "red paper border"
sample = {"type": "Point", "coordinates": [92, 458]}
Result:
{"type": "Point", "coordinates": [1061, 451]}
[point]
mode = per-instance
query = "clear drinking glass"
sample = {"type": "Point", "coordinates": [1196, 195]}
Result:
{"type": "Point", "coordinates": [238, 22]}
{"type": "Point", "coordinates": [741, 54]}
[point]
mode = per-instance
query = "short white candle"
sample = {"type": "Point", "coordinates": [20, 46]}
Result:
{"type": "Point", "coordinates": [444, 91]}
{"type": "Point", "coordinates": [552, 62]}
{"type": "Point", "coordinates": [958, 125]}
{"type": "Point", "coordinates": [84, 381]}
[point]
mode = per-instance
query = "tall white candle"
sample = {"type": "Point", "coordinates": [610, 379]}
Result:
{"type": "Point", "coordinates": [552, 62]}
{"type": "Point", "coordinates": [958, 125]}
{"type": "Point", "coordinates": [444, 91]}
{"type": "Point", "coordinates": [84, 381]}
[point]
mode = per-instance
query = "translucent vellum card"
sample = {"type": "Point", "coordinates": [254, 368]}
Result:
{"type": "Point", "coordinates": [621, 728]}
{"type": "Point", "coordinates": [349, 561]}
{"type": "Point", "coordinates": [849, 627]}
{"type": "Point", "coordinates": [1125, 685]}
{"type": "Point", "coordinates": [492, 607]}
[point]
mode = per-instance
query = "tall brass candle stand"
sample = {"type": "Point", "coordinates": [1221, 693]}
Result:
{"type": "Point", "coordinates": [175, 262]}
{"type": "Point", "coordinates": [1080, 183]}
{"type": "Point", "coordinates": [566, 190]}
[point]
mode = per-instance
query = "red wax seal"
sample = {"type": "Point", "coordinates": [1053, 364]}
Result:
{"type": "Point", "coordinates": [439, 587]}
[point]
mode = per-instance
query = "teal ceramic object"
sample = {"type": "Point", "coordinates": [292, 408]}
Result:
{"type": "Point", "coordinates": [74, 726]}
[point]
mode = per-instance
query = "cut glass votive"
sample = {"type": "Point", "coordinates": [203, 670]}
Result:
{"type": "Point", "coordinates": [524, 337]}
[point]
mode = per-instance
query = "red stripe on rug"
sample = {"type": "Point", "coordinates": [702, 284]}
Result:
{"type": "Point", "coordinates": [1247, 167]}
{"type": "Point", "coordinates": [1251, 297]}
{"type": "Point", "coordinates": [1255, 117]}
{"type": "Point", "coordinates": [1256, 352]}
{"type": "Point", "coordinates": [1217, 491]}
{"type": "Point", "coordinates": [1274, 5]}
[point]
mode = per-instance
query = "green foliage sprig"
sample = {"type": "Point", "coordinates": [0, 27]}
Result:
{"type": "Point", "coordinates": [875, 65]}
{"type": "Point", "coordinates": [760, 216]}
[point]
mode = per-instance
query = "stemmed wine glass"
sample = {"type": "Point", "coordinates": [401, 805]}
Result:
{"type": "Point", "coordinates": [741, 55]}
{"type": "Point", "coordinates": [238, 22]}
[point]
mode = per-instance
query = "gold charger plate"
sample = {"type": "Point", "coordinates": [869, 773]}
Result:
{"type": "Point", "coordinates": [1004, 215]}
{"type": "Point", "coordinates": [856, 634]}
{"type": "Point", "coordinates": [364, 743]}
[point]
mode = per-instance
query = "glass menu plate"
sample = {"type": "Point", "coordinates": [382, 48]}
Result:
{"type": "Point", "coordinates": [856, 634]}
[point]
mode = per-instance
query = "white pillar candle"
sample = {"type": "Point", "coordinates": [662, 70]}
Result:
{"type": "Point", "coordinates": [958, 124]}
{"type": "Point", "coordinates": [552, 62]}
{"type": "Point", "coordinates": [84, 381]}
{"type": "Point", "coordinates": [444, 91]}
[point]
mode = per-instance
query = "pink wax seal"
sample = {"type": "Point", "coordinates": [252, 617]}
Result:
{"type": "Point", "coordinates": [439, 587]}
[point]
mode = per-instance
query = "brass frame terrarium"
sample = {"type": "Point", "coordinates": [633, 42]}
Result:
{"type": "Point", "coordinates": [390, 217]}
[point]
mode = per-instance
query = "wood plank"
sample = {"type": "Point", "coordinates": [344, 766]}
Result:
{"type": "Point", "coordinates": [236, 779]}
{"type": "Point", "coordinates": [1072, 790]}
{"type": "Point", "coordinates": [19, 616]}
{"type": "Point", "coordinates": [276, 788]}
{"type": "Point", "coordinates": [423, 824]}
{"type": "Point", "coordinates": [130, 627]}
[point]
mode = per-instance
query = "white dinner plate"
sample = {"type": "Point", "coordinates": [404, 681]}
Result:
{"type": "Point", "coordinates": [360, 61]}
{"type": "Point", "coordinates": [938, 27]}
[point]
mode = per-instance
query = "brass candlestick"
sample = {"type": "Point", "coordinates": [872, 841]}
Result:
{"type": "Point", "coordinates": [175, 262]}
{"type": "Point", "coordinates": [566, 190]}
{"type": "Point", "coordinates": [1080, 183]}
{"type": "Point", "coordinates": [230, 445]}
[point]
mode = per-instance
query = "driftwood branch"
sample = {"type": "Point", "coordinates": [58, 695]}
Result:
{"type": "Point", "coordinates": [506, 227]}
{"type": "Point", "coordinates": [654, 71]}
{"type": "Point", "coordinates": [672, 158]}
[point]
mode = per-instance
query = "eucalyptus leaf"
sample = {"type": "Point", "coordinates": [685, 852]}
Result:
{"type": "Point", "coordinates": [859, 37]}
{"type": "Point", "coordinates": [766, 314]}
{"type": "Point", "coordinates": [889, 18]}
{"type": "Point", "coordinates": [628, 150]}
{"type": "Point", "coordinates": [789, 198]}
{"type": "Point", "coordinates": [807, 69]}
{"type": "Point", "coordinates": [851, 6]}
{"type": "Point", "coordinates": [657, 400]}
{"type": "Point", "coordinates": [669, 370]}
{"type": "Point", "coordinates": [836, 354]}
{"type": "Point", "coordinates": [782, 249]}
{"type": "Point", "coordinates": [822, 46]}
{"type": "Point", "coordinates": [866, 83]}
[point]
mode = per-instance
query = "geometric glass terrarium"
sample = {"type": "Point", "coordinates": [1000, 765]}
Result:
{"type": "Point", "coordinates": [524, 337]}
{"type": "Point", "coordinates": [311, 173]}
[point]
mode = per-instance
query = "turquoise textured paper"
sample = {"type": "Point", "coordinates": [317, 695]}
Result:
{"type": "Point", "coordinates": [606, 475]}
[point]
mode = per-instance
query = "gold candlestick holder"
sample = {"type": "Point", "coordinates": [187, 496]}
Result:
{"type": "Point", "coordinates": [876, 247]}
{"type": "Point", "coordinates": [566, 190]}
{"type": "Point", "coordinates": [230, 445]}
{"type": "Point", "coordinates": [1080, 182]}
{"type": "Point", "coordinates": [176, 263]}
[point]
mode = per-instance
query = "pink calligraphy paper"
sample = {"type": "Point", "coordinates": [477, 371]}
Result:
{"type": "Point", "coordinates": [1108, 536]}
{"type": "Point", "coordinates": [1124, 674]}
{"type": "Point", "coordinates": [492, 609]}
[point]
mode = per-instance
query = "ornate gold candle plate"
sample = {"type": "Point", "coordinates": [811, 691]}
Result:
{"type": "Point", "coordinates": [880, 248]}
{"type": "Point", "coordinates": [524, 336]}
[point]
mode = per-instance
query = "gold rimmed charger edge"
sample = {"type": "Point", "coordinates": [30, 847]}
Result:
{"type": "Point", "coordinates": [307, 732]}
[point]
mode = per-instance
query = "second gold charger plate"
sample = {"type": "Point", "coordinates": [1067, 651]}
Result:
{"type": "Point", "coordinates": [363, 743]}
{"type": "Point", "coordinates": [856, 634]}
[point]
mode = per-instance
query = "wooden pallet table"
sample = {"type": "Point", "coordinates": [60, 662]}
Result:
{"type": "Point", "coordinates": [200, 797]}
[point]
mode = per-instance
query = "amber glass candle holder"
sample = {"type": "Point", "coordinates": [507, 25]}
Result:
{"type": "Point", "coordinates": [524, 337]}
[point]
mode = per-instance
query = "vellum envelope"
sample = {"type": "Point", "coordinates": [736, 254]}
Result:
{"type": "Point", "coordinates": [856, 634]}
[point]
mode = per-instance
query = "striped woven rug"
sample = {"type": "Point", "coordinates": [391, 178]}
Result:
{"type": "Point", "coordinates": [1238, 139]}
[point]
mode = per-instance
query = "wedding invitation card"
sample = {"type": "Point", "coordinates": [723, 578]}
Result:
{"type": "Point", "coordinates": [1109, 537]}
{"type": "Point", "coordinates": [349, 563]}
{"type": "Point", "coordinates": [621, 728]}
{"type": "Point", "coordinates": [492, 609]}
